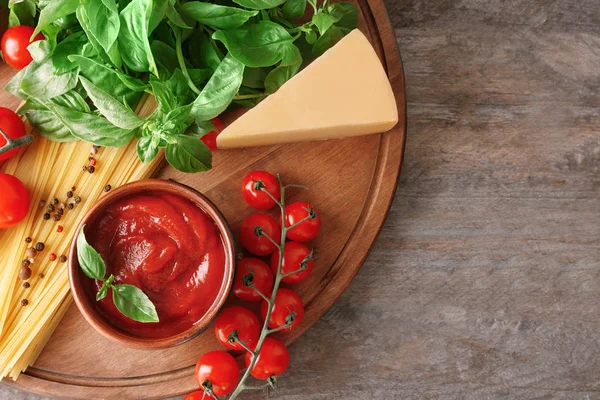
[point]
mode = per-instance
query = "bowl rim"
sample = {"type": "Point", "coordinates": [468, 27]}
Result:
{"type": "Point", "coordinates": [102, 324]}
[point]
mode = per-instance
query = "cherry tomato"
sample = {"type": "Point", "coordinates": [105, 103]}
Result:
{"type": "Point", "coordinates": [273, 359]}
{"type": "Point", "coordinates": [14, 45]}
{"type": "Point", "coordinates": [241, 320]}
{"type": "Point", "coordinates": [257, 244]}
{"type": "Point", "coordinates": [308, 229]}
{"type": "Point", "coordinates": [14, 201]}
{"type": "Point", "coordinates": [262, 278]}
{"type": "Point", "coordinates": [13, 127]}
{"type": "Point", "coordinates": [286, 303]}
{"type": "Point", "coordinates": [210, 139]}
{"type": "Point", "coordinates": [254, 196]}
{"type": "Point", "coordinates": [197, 395]}
{"type": "Point", "coordinates": [220, 369]}
{"type": "Point", "coordinates": [294, 254]}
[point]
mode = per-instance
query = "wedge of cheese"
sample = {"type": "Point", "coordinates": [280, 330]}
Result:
{"type": "Point", "coordinates": [343, 93]}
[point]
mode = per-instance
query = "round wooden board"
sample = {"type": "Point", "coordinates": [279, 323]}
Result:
{"type": "Point", "coordinates": [352, 183]}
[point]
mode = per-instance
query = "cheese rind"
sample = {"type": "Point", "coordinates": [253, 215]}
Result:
{"type": "Point", "coordinates": [343, 93]}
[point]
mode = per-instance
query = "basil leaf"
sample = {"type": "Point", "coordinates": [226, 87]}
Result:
{"type": "Point", "coordinates": [157, 13]}
{"type": "Point", "coordinates": [311, 37]}
{"type": "Point", "coordinates": [91, 127]}
{"type": "Point", "coordinates": [259, 4]}
{"type": "Point", "coordinates": [40, 50]}
{"type": "Point", "coordinates": [113, 55]}
{"type": "Point", "coordinates": [216, 16]}
{"type": "Point", "coordinates": [294, 8]}
{"type": "Point", "coordinates": [279, 76]}
{"type": "Point", "coordinates": [329, 39]}
{"type": "Point", "coordinates": [176, 19]}
{"type": "Point", "coordinates": [323, 21]}
{"type": "Point", "coordinates": [255, 77]}
{"type": "Point", "coordinates": [291, 55]}
{"type": "Point", "coordinates": [172, 93]}
{"type": "Point", "coordinates": [54, 10]}
{"type": "Point", "coordinates": [198, 76]}
{"type": "Point", "coordinates": [200, 128]}
{"type": "Point", "coordinates": [90, 261]}
{"type": "Point", "coordinates": [134, 303]}
{"type": "Point", "coordinates": [104, 288]}
{"type": "Point", "coordinates": [346, 15]}
{"type": "Point", "coordinates": [165, 55]}
{"type": "Point", "coordinates": [256, 45]}
{"type": "Point", "coordinates": [114, 111]}
{"type": "Point", "coordinates": [43, 82]}
{"type": "Point", "coordinates": [14, 85]}
{"type": "Point", "coordinates": [147, 147]}
{"type": "Point", "coordinates": [22, 13]}
{"type": "Point", "coordinates": [177, 120]}
{"type": "Point", "coordinates": [203, 51]}
{"type": "Point", "coordinates": [133, 38]}
{"type": "Point", "coordinates": [104, 22]}
{"type": "Point", "coordinates": [220, 90]}
{"type": "Point", "coordinates": [73, 44]}
{"type": "Point", "coordinates": [189, 154]}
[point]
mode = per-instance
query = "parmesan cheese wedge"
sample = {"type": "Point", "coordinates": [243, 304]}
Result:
{"type": "Point", "coordinates": [343, 93]}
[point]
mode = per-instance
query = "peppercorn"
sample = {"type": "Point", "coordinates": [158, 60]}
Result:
{"type": "Point", "coordinates": [107, 188]}
{"type": "Point", "coordinates": [42, 203]}
{"type": "Point", "coordinates": [62, 258]}
{"type": "Point", "coordinates": [93, 161]}
{"type": "Point", "coordinates": [54, 201]}
{"type": "Point", "coordinates": [91, 169]}
{"type": "Point", "coordinates": [52, 257]}
{"type": "Point", "coordinates": [70, 206]}
{"type": "Point", "coordinates": [62, 205]}
{"type": "Point", "coordinates": [56, 217]}
{"type": "Point", "coordinates": [30, 252]}
{"type": "Point", "coordinates": [25, 273]}
{"type": "Point", "coordinates": [41, 276]}
{"type": "Point", "coordinates": [73, 188]}
{"type": "Point", "coordinates": [27, 239]}
{"type": "Point", "coordinates": [39, 246]}
{"type": "Point", "coordinates": [50, 208]}
{"type": "Point", "coordinates": [59, 229]}
{"type": "Point", "coordinates": [25, 263]}
{"type": "Point", "coordinates": [60, 211]}
{"type": "Point", "coordinates": [69, 194]}
{"type": "Point", "coordinates": [47, 216]}
{"type": "Point", "coordinates": [94, 150]}
{"type": "Point", "coordinates": [24, 302]}
{"type": "Point", "coordinates": [26, 285]}
{"type": "Point", "coordinates": [84, 168]}
{"type": "Point", "coordinates": [77, 199]}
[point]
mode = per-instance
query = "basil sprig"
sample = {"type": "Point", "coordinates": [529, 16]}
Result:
{"type": "Point", "coordinates": [130, 300]}
{"type": "Point", "coordinates": [198, 59]}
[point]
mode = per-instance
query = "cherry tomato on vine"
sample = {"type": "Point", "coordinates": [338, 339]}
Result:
{"type": "Point", "coordinates": [14, 45]}
{"type": "Point", "coordinates": [220, 369]}
{"type": "Point", "coordinates": [287, 302]}
{"type": "Point", "coordinates": [256, 243]}
{"type": "Point", "coordinates": [210, 139]}
{"type": "Point", "coordinates": [262, 278]}
{"type": "Point", "coordinates": [294, 254]}
{"type": "Point", "coordinates": [197, 395]}
{"type": "Point", "coordinates": [254, 196]}
{"type": "Point", "coordinates": [273, 359]}
{"type": "Point", "coordinates": [241, 320]}
{"type": "Point", "coordinates": [306, 230]}
{"type": "Point", "coordinates": [12, 125]}
{"type": "Point", "coordinates": [14, 201]}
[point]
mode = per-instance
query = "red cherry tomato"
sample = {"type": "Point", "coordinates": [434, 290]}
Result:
{"type": "Point", "coordinates": [262, 278]}
{"type": "Point", "coordinates": [14, 45]}
{"type": "Point", "coordinates": [259, 245]}
{"type": "Point", "coordinates": [294, 254]}
{"type": "Point", "coordinates": [254, 196]}
{"type": "Point", "coordinates": [210, 139]}
{"type": "Point", "coordinates": [286, 303]}
{"type": "Point", "coordinates": [197, 395]}
{"type": "Point", "coordinates": [14, 201]}
{"type": "Point", "coordinates": [13, 127]}
{"type": "Point", "coordinates": [273, 359]}
{"type": "Point", "coordinates": [241, 320]}
{"type": "Point", "coordinates": [306, 230]}
{"type": "Point", "coordinates": [220, 369]}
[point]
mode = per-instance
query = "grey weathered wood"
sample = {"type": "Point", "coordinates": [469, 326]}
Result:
{"type": "Point", "coordinates": [485, 280]}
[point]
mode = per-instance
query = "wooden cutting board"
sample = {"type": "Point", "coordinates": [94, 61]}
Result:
{"type": "Point", "coordinates": [352, 184]}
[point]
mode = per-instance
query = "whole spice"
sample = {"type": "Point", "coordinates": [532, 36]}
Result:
{"type": "Point", "coordinates": [30, 252]}
{"type": "Point", "coordinates": [25, 263]}
{"type": "Point", "coordinates": [60, 211]}
{"type": "Point", "coordinates": [25, 273]}
{"type": "Point", "coordinates": [50, 208]}
{"type": "Point", "coordinates": [39, 246]}
{"type": "Point", "coordinates": [107, 188]}
{"type": "Point", "coordinates": [52, 257]}
{"type": "Point", "coordinates": [47, 216]}
{"type": "Point", "coordinates": [54, 201]}
{"type": "Point", "coordinates": [70, 206]}
{"type": "Point", "coordinates": [93, 161]}
{"type": "Point", "coordinates": [69, 194]}
{"type": "Point", "coordinates": [56, 217]}
{"type": "Point", "coordinates": [26, 285]}
{"type": "Point", "coordinates": [27, 239]}
{"type": "Point", "coordinates": [59, 229]}
{"type": "Point", "coordinates": [24, 302]}
{"type": "Point", "coordinates": [41, 276]}
{"type": "Point", "coordinates": [77, 199]}
{"type": "Point", "coordinates": [91, 169]}
{"type": "Point", "coordinates": [42, 203]}
{"type": "Point", "coordinates": [62, 258]}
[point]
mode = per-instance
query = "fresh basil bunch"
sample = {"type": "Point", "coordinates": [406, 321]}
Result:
{"type": "Point", "coordinates": [197, 58]}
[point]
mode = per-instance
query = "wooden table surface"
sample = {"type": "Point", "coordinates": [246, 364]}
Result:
{"type": "Point", "coordinates": [485, 281]}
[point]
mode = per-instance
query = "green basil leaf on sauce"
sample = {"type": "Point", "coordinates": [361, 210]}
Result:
{"type": "Point", "coordinates": [104, 288]}
{"type": "Point", "coordinates": [89, 259]}
{"type": "Point", "coordinates": [133, 303]}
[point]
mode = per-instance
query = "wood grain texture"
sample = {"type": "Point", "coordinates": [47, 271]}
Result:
{"type": "Point", "coordinates": [484, 281]}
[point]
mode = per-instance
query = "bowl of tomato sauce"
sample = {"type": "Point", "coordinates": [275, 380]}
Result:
{"type": "Point", "coordinates": [171, 242]}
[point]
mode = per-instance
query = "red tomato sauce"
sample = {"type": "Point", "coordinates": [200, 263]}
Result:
{"type": "Point", "coordinates": [166, 246]}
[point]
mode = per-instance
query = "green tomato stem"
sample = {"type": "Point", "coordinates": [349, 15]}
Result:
{"type": "Point", "coordinates": [249, 96]}
{"type": "Point", "coordinates": [12, 144]}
